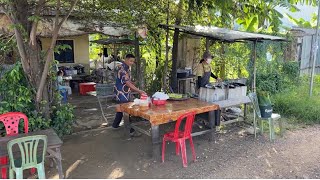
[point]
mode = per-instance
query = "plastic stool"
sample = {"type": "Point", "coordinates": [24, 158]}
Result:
{"type": "Point", "coordinates": [64, 94]}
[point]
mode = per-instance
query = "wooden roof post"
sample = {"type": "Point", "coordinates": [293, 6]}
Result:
{"type": "Point", "coordinates": [207, 44]}
{"type": "Point", "coordinates": [138, 62]}
{"type": "Point", "coordinates": [164, 85]}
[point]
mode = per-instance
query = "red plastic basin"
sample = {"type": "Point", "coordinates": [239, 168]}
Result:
{"type": "Point", "coordinates": [158, 102]}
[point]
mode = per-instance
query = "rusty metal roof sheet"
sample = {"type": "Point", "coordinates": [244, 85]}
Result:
{"type": "Point", "coordinates": [222, 34]}
{"type": "Point", "coordinates": [122, 41]}
{"type": "Point", "coordinates": [69, 28]}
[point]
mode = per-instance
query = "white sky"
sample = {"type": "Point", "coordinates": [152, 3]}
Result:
{"type": "Point", "coordinates": [305, 13]}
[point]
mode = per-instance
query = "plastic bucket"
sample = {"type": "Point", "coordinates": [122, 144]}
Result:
{"type": "Point", "coordinates": [266, 111]}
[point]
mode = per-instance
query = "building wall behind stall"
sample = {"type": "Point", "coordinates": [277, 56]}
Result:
{"type": "Point", "coordinates": [302, 41]}
{"type": "Point", "coordinates": [81, 50]}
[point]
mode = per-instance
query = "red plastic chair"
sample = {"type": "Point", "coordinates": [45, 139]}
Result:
{"type": "Point", "coordinates": [180, 137]}
{"type": "Point", "coordinates": [11, 122]}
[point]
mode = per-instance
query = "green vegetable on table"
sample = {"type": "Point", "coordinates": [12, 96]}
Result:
{"type": "Point", "coordinates": [175, 96]}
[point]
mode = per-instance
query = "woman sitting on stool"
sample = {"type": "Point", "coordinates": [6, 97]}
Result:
{"type": "Point", "coordinates": [60, 83]}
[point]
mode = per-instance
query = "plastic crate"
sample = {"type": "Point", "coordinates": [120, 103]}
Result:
{"type": "Point", "coordinates": [86, 87]}
{"type": "Point", "coordinates": [104, 89]}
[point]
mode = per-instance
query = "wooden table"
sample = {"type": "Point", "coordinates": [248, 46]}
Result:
{"type": "Point", "coordinates": [158, 115]}
{"type": "Point", "coordinates": [53, 149]}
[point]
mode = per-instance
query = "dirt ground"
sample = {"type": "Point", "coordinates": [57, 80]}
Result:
{"type": "Point", "coordinates": [106, 153]}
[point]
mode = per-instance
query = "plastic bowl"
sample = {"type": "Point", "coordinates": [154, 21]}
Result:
{"type": "Point", "coordinates": [158, 102]}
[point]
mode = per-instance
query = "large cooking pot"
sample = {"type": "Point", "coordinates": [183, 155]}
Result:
{"type": "Point", "coordinates": [182, 73]}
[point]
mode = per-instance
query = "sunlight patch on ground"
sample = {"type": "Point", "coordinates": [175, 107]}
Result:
{"type": "Point", "coordinates": [74, 166]}
{"type": "Point", "coordinates": [275, 150]}
{"type": "Point", "coordinates": [91, 109]}
{"type": "Point", "coordinates": [268, 163]}
{"type": "Point", "coordinates": [116, 173]}
{"type": "Point", "coordinates": [56, 176]}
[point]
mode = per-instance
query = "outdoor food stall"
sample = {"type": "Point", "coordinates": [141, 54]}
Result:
{"type": "Point", "coordinates": [234, 92]}
{"type": "Point", "coordinates": [212, 99]}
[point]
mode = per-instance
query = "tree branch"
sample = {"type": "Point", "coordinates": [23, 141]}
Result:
{"type": "Point", "coordinates": [69, 12]}
{"type": "Point", "coordinates": [49, 55]}
{"type": "Point", "coordinates": [33, 32]}
{"type": "Point", "coordinates": [20, 43]}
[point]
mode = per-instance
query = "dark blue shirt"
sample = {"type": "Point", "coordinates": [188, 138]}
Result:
{"type": "Point", "coordinates": [121, 89]}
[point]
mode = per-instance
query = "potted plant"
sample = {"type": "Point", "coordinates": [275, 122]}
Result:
{"type": "Point", "coordinates": [264, 104]}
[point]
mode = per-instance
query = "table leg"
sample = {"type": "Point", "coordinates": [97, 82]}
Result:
{"type": "Point", "coordinates": [59, 164]}
{"type": "Point", "coordinates": [102, 111]}
{"type": "Point", "coordinates": [245, 112]}
{"type": "Point", "coordinates": [55, 154]}
{"type": "Point", "coordinates": [217, 116]}
{"type": "Point", "coordinates": [126, 123]}
{"type": "Point", "coordinates": [212, 123]}
{"type": "Point", "coordinates": [155, 135]}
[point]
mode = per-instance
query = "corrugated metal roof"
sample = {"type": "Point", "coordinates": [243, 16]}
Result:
{"type": "Point", "coordinates": [69, 28]}
{"type": "Point", "coordinates": [122, 41]}
{"type": "Point", "coordinates": [303, 31]}
{"type": "Point", "coordinates": [222, 34]}
{"type": "Point", "coordinates": [72, 28]}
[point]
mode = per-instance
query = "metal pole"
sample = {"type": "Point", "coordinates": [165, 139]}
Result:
{"type": "Point", "coordinates": [167, 53]}
{"type": "Point", "coordinates": [207, 44]}
{"type": "Point", "coordinates": [315, 51]}
{"type": "Point", "coordinates": [254, 66]}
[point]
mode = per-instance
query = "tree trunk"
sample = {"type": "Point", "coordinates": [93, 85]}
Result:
{"type": "Point", "coordinates": [30, 53]}
{"type": "Point", "coordinates": [142, 74]}
{"type": "Point", "coordinates": [35, 66]}
{"type": "Point", "coordinates": [174, 80]}
{"type": "Point", "coordinates": [223, 62]}
{"type": "Point", "coordinates": [138, 60]}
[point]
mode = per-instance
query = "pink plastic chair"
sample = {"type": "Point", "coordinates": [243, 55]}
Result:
{"type": "Point", "coordinates": [180, 137]}
{"type": "Point", "coordinates": [11, 122]}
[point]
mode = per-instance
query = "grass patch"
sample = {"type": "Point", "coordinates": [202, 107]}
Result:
{"type": "Point", "coordinates": [296, 104]}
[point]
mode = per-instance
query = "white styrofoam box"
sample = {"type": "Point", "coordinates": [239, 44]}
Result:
{"type": "Point", "coordinates": [212, 95]}
{"type": "Point", "coordinates": [202, 94]}
{"type": "Point", "coordinates": [243, 90]}
{"type": "Point", "coordinates": [234, 92]}
{"type": "Point", "coordinates": [237, 92]}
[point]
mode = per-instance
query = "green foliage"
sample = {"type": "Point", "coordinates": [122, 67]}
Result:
{"type": "Point", "coordinates": [61, 47]}
{"type": "Point", "coordinates": [34, 18]}
{"type": "Point", "coordinates": [295, 102]}
{"type": "Point", "coordinates": [263, 98]}
{"type": "Point", "coordinates": [16, 96]}
{"type": "Point", "coordinates": [300, 22]}
{"type": "Point", "coordinates": [62, 119]}
{"type": "Point", "coordinates": [95, 48]}
{"type": "Point", "coordinates": [6, 45]}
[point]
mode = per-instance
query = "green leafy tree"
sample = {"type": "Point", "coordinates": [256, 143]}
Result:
{"type": "Point", "coordinates": [26, 16]}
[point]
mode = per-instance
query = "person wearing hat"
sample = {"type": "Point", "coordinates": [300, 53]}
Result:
{"type": "Point", "coordinates": [204, 70]}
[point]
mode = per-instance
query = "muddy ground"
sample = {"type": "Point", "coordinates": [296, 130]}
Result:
{"type": "Point", "coordinates": [105, 153]}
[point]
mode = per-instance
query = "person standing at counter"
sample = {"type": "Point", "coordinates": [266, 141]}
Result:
{"type": "Point", "coordinates": [122, 89]}
{"type": "Point", "coordinates": [204, 70]}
